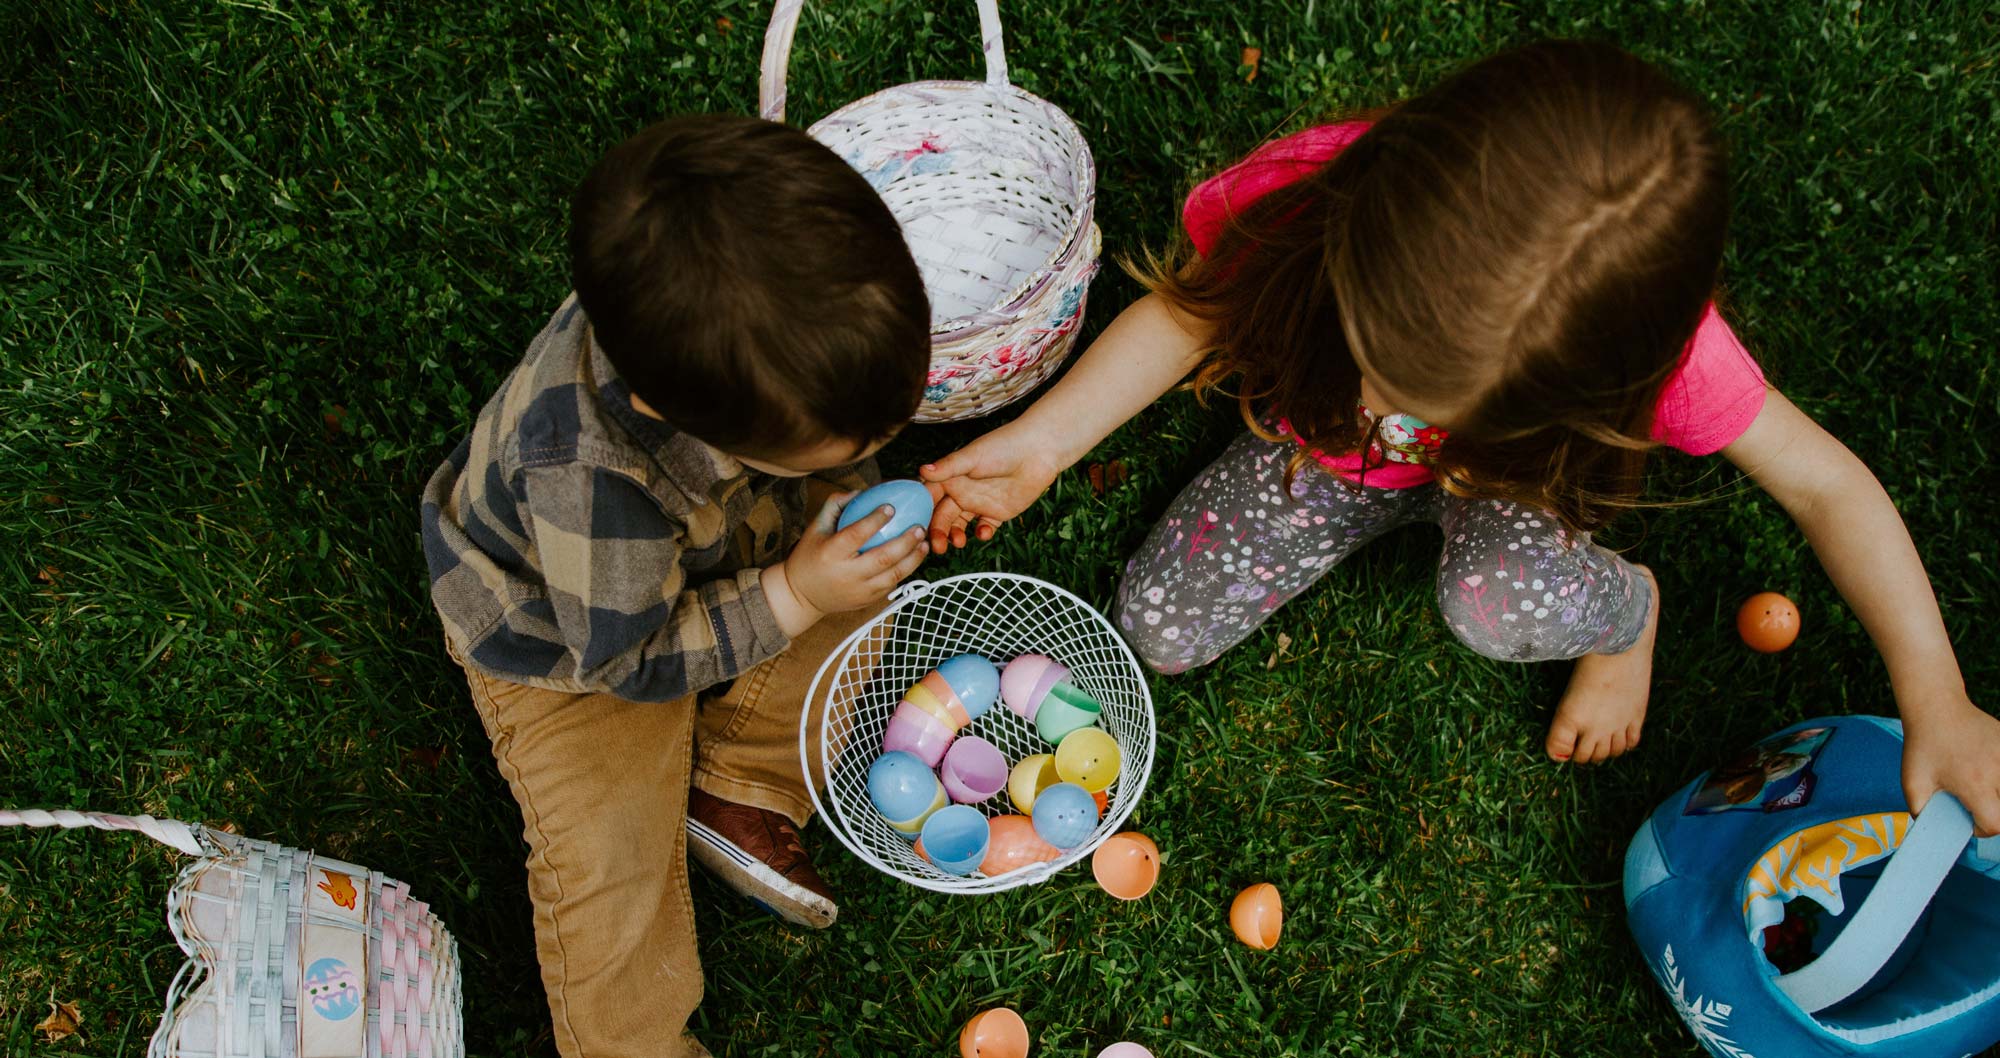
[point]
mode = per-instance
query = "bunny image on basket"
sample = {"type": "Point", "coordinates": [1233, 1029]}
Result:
{"type": "Point", "coordinates": [994, 189]}
{"type": "Point", "coordinates": [291, 954]}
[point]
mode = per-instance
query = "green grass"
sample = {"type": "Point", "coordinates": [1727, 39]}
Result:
{"type": "Point", "coordinates": [260, 262]}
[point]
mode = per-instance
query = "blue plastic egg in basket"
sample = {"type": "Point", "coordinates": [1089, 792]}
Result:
{"type": "Point", "coordinates": [1791, 906]}
{"type": "Point", "coordinates": [999, 617]}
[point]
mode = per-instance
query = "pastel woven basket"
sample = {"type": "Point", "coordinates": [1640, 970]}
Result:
{"type": "Point", "coordinates": [291, 954]}
{"type": "Point", "coordinates": [994, 188]}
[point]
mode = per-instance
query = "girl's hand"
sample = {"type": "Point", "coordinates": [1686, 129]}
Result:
{"type": "Point", "coordinates": [827, 572]}
{"type": "Point", "coordinates": [988, 481]}
{"type": "Point", "coordinates": [1955, 748]}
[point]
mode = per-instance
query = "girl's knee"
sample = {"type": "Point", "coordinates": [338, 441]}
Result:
{"type": "Point", "coordinates": [1158, 647]}
{"type": "Point", "coordinates": [1481, 621]}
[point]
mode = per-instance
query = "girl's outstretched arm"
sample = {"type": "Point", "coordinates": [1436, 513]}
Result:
{"type": "Point", "coordinates": [1144, 352]}
{"type": "Point", "coordinates": [1949, 743]}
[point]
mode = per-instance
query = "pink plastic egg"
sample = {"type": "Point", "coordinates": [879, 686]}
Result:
{"type": "Point", "coordinates": [1026, 681]}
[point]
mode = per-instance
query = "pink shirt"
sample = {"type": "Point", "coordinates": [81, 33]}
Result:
{"type": "Point", "coordinates": [1714, 395]}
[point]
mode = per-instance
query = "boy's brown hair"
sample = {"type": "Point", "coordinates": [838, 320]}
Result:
{"type": "Point", "coordinates": [1531, 243]}
{"type": "Point", "coordinates": [750, 286]}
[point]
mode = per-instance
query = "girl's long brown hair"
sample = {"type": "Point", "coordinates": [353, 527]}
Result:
{"type": "Point", "coordinates": [1529, 245]}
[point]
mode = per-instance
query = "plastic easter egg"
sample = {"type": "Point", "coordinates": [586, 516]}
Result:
{"type": "Point", "coordinates": [1127, 865]}
{"type": "Point", "coordinates": [1030, 777]}
{"type": "Point", "coordinates": [910, 500]}
{"type": "Point", "coordinates": [1103, 802]}
{"type": "Point", "coordinates": [1090, 758]}
{"type": "Point", "coordinates": [973, 770]}
{"type": "Point", "coordinates": [1257, 916]}
{"type": "Point", "coordinates": [1124, 1049]}
{"type": "Point", "coordinates": [996, 1033]}
{"type": "Point", "coordinates": [955, 839]}
{"type": "Point", "coordinates": [1768, 622]}
{"type": "Point", "coordinates": [937, 701]}
{"type": "Point", "coordinates": [1065, 815]}
{"type": "Point", "coordinates": [1026, 681]}
{"type": "Point", "coordinates": [974, 680]}
{"type": "Point", "coordinates": [1013, 844]}
{"type": "Point", "coordinates": [904, 791]}
{"type": "Point", "coordinates": [1064, 710]}
{"type": "Point", "coordinates": [912, 730]}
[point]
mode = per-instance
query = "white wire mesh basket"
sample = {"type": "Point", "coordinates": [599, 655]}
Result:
{"type": "Point", "coordinates": [291, 954]}
{"type": "Point", "coordinates": [994, 189]}
{"type": "Point", "coordinates": [998, 616]}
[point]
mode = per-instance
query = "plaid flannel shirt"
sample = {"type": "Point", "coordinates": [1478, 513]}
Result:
{"type": "Point", "coordinates": [577, 545]}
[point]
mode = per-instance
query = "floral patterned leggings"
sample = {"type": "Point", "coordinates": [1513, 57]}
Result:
{"type": "Point", "coordinates": [1512, 583]}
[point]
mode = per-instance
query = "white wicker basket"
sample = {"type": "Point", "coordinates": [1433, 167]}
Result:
{"type": "Point", "coordinates": [994, 188]}
{"type": "Point", "coordinates": [998, 616]}
{"type": "Point", "coordinates": [290, 954]}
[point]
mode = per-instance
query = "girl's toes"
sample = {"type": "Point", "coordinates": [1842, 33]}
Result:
{"type": "Point", "coordinates": [1632, 735]}
{"type": "Point", "coordinates": [1561, 743]}
{"type": "Point", "coordinates": [1616, 746]}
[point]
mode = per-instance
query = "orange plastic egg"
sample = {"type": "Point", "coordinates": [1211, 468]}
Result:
{"type": "Point", "coordinates": [1127, 865]}
{"type": "Point", "coordinates": [996, 1033]}
{"type": "Point", "coordinates": [1013, 844]}
{"type": "Point", "coordinates": [1768, 622]}
{"type": "Point", "coordinates": [1257, 916]}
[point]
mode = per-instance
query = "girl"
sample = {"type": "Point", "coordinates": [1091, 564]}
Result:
{"type": "Point", "coordinates": [1481, 310]}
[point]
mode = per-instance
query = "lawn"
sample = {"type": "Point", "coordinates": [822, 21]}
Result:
{"type": "Point", "coordinates": [260, 263]}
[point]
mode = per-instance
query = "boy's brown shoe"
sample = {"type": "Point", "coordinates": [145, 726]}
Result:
{"type": "Point", "coordinates": [757, 852]}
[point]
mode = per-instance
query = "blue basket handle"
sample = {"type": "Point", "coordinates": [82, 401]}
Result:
{"type": "Point", "coordinates": [785, 22]}
{"type": "Point", "coordinates": [1934, 844]}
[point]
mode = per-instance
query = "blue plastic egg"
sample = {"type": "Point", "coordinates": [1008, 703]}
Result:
{"type": "Point", "coordinates": [974, 680]}
{"type": "Point", "coordinates": [911, 501]}
{"type": "Point", "coordinates": [903, 789]}
{"type": "Point", "coordinates": [1065, 814]}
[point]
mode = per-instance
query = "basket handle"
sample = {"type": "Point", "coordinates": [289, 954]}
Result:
{"type": "Point", "coordinates": [1934, 844]}
{"type": "Point", "coordinates": [785, 23]}
{"type": "Point", "coordinates": [170, 832]}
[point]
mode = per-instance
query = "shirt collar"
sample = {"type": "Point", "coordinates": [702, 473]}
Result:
{"type": "Point", "coordinates": [693, 465]}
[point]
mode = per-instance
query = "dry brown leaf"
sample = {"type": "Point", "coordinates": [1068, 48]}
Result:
{"type": "Point", "coordinates": [724, 24]}
{"type": "Point", "coordinates": [1252, 57]}
{"type": "Point", "coordinates": [48, 574]}
{"type": "Point", "coordinates": [64, 1020]}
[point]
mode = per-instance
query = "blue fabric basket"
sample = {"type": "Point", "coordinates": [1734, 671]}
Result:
{"type": "Point", "coordinates": [1889, 926]}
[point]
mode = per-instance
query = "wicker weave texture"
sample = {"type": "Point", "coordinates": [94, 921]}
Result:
{"type": "Point", "coordinates": [998, 616]}
{"type": "Point", "coordinates": [994, 189]}
{"type": "Point", "coordinates": [252, 915]}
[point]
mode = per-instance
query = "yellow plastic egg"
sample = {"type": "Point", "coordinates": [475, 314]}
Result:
{"type": "Point", "coordinates": [1029, 778]}
{"type": "Point", "coordinates": [1257, 916]}
{"type": "Point", "coordinates": [1090, 758]}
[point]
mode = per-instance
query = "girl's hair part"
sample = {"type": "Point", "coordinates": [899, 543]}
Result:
{"type": "Point", "coordinates": [1524, 251]}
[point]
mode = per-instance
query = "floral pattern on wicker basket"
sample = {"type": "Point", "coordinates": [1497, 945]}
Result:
{"type": "Point", "coordinates": [291, 954]}
{"type": "Point", "coordinates": [994, 189]}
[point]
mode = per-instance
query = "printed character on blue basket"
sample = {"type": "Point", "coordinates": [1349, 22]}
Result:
{"type": "Point", "coordinates": [1484, 308]}
{"type": "Point", "coordinates": [637, 557]}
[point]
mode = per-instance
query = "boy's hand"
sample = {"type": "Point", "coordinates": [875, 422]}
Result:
{"type": "Point", "coordinates": [1955, 749]}
{"type": "Point", "coordinates": [827, 571]}
{"type": "Point", "coordinates": [985, 483]}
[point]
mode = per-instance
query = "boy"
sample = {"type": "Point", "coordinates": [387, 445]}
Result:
{"type": "Point", "coordinates": [628, 565]}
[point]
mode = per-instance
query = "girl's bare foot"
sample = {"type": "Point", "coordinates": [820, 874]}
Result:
{"type": "Point", "coordinates": [1605, 706]}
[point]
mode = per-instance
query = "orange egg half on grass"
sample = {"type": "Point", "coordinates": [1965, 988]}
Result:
{"type": "Point", "coordinates": [996, 1033]}
{"type": "Point", "coordinates": [1257, 916]}
{"type": "Point", "coordinates": [1127, 865]}
{"type": "Point", "coordinates": [1768, 622]}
